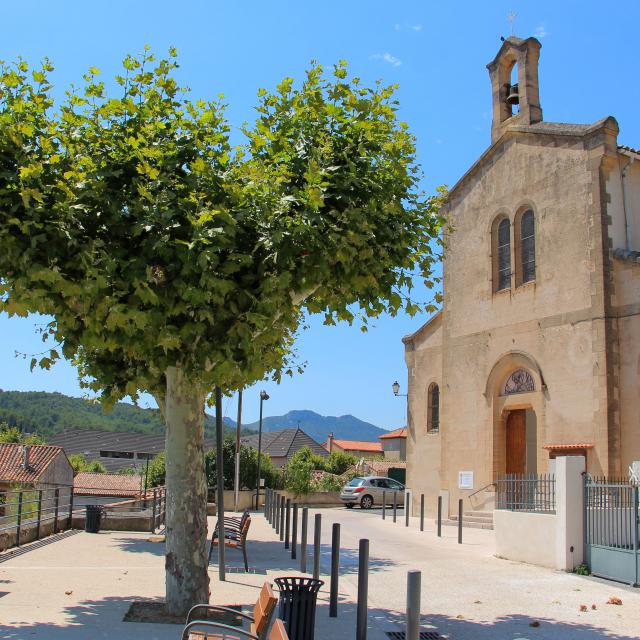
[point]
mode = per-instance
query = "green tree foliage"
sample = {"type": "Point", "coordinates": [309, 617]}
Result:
{"type": "Point", "coordinates": [298, 475]}
{"type": "Point", "coordinates": [338, 462]}
{"type": "Point", "coordinates": [157, 471]}
{"type": "Point", "coordinates": [171, 262]}
{"type": "Point", "coordinates": [14, 435]}
{"type": "Point", "coordinates": [79, 463]}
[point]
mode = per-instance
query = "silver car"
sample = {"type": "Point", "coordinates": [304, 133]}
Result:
{"type": "Point", "coordinates": [369, 491]}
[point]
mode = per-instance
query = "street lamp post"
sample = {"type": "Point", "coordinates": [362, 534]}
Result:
{"type": "Point", "coordinates": [263, 396]}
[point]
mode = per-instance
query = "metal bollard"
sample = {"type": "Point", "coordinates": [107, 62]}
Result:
{"type": "Point", "coordinates": [316, 546]}
{"type": "Point", "coordinates": [406, 508]}
{"type": "Point", "coordinates": [422, 512]}
{"type": "Point", "coordinates": [335, 570]}
{"type": "Point", "coordinates": [460, 521]}
{"type": "Point", "coordinates": [287, 526]}
{"type": "Point", "coordinates": [395, 504]}
{"type": "Point", "coordinates": [266, 504]}
{"type": "Point", "coordinates": [413, 605]}
{"type": "Point", "coordinates": [277, 514]}
{"type": "Point", "coordinates": [294, 531]}
{"type": "Point", "coordinates": [384, 504]}
{"type": "Point", "coordinates": [303, 540]}
{"type": "Point", "coordinates": [363, 590]}
{"type": "Point", "coordinates": [439, 516]}
{"type": "Point", "coordinates": [282, 510]}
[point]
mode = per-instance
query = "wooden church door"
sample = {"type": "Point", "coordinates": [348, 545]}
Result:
{"type": "Point", "coordinates": [516, 441]}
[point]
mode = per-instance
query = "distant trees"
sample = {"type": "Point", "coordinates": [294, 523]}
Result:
{"type": "Point", "coordinates": [79, 464]}
{"type": "Point", "coordinates": [10, 434]}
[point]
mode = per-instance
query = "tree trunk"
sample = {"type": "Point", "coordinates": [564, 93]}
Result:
{"type": "Point", "coordinates": [187, 580]}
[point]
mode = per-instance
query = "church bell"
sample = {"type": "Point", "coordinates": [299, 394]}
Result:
{"type": "Point", "coordinates": [513, 97]}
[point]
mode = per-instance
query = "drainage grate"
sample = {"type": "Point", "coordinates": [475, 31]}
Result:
{"type": "Point", "coordinates": [424, 635]}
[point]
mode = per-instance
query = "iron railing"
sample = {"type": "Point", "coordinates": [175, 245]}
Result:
{"type": "Point", "coordinates": [611, 513]}
{"type": "Point", "coordinates": [526, 492]}
{"type": "Point", "coordinates": [26, 513]}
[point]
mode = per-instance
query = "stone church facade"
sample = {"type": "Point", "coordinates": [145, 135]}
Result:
{"type": "Point", "coordinates": [536, 351]}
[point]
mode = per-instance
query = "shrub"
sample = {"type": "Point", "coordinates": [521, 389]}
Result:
{"type": "Point", "coordinates": [338, 462]}
{"type": "Point", "coordinates": [329, 482]}
{"type": "Point", "coordinates": [298, 476]}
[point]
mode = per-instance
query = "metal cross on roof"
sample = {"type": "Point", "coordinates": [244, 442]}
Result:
{"type": "Point", "coordinates": [511, 18]}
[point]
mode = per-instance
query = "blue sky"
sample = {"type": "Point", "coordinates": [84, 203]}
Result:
{"type": "Point", "coordinates": [436, 51]}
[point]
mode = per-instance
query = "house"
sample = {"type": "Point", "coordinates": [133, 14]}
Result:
{"type": "Point", "coordinates": [39, 466]}
{"type": "Point", "coordinates": [115, 450]}
{"type": "Point", "coordinates": [105, 488]}
{"type": "Point", "coordinates": [394, 444]}
{"type": "Point", "coordinates": [281, 445]}
{"type": "Point", "coordinates": [358, 448]}
{"type": "Point", "coordinates": [536, 351]}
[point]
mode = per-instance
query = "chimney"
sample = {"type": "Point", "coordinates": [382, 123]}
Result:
{"type": "Point", "coordinates": [330, 442]}
{"type": "Point", "coordinates": [25, 457]}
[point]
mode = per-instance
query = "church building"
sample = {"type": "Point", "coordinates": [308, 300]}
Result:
{"type": "Point", "coordinates": [535, 353]}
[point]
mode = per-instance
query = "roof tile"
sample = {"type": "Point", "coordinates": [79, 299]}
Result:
{"type": "Point", "coordinates": [106, 484]}
{"type": "Point", "coordinates": [11, 459]}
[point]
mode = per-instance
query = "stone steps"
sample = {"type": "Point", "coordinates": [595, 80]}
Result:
{"type": "Point", "coordinates": [472, 520]}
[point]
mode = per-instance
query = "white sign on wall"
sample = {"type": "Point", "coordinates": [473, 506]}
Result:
{"type": "Point", "coordinates": [465, 479]}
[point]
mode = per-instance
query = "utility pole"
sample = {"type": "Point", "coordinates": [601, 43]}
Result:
{"type": "Point", "coordinates": [237, 471]}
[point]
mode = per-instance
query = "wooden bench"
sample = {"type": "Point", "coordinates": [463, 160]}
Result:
{"type": "Point", "coordinates": [259, 621]}
{"type": "Point", "coordinates": [234, 539]}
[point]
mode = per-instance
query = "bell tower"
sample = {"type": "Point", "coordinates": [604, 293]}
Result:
{"type": "Point", "coordinates": [515, 103]}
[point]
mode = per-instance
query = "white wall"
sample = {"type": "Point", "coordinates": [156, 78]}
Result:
{"type": "Point", "coordinates": [525, 537]}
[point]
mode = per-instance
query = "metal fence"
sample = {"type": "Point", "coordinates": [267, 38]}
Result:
{"type": "Point", "coordinates": [611, 528]}
{"type": "Point", "coordinates": [526, 492]}
{"type": "Point", "coordinates": [29, 514]}
{"type": "Point", "coordinates": [151, 507]}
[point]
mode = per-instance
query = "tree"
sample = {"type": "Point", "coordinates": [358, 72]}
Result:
{"type": "Point", "coordinates": [79, 464]}
{"type": "Point", "coordinates": [298, 475]}
{"type": "Point", "coordinates": [171, 262]}
{"type": "Point", "coordinates": [339, 461]}
{"type": "Point", "coordinates": [14, 435]}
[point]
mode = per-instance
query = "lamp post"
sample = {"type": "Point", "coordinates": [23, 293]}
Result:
{"type": "Point", "coordinates": [263, 396]}
{"type": "Point", "coordinates": [236, 475]}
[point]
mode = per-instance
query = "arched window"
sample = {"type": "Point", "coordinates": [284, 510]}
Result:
{"type": "Point", "coordinates": [501, 251]}
{"type": "Point", "coordinates": [433, 408]}
{"type": "Point", "coordinates": [527, 248]}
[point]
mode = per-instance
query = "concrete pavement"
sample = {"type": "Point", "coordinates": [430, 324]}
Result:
{"type": "Point", "coordinates": [81, 585]}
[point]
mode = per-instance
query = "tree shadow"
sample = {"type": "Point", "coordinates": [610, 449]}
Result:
{"type": "Point", "coordinates": [142, 545]}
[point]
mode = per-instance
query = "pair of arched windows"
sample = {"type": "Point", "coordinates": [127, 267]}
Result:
{"type": "Point", "coordinates": [433, 408]}
{"type": "Point", "coordinates": [524, 254]}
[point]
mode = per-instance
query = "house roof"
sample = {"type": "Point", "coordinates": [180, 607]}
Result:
{"type": "Point", "coordinates": [396, 433]}
{"type": "Point", "coordinates": [358, 445]}
{"type": "Point", "coordinates": [383, 466]}
{"type": "Point", "coordinates": [90, 443]}
{"type": "Point", "coordinates": [12, 456]}
{"type": "Point", "coordinates": [106, 484]}
{"type": "Point", "coordinates": [284, 443]}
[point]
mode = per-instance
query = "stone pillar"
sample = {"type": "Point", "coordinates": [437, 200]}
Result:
{"type": "Point", "coordinates": [569, 512]}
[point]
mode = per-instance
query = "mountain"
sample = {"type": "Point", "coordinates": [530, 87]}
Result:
{"type": "Point", "coordinates": [318, 427]}
{"type": "Point", "coordinates": [48, 413]}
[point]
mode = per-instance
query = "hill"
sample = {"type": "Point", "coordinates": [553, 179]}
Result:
{"type": "Point", "coordinates": [318, 427]}
{"type": "Point", "coordinates": [49, 413]}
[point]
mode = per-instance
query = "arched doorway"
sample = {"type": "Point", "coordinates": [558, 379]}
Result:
{"type": "Point", "coordinates": [516, 389]}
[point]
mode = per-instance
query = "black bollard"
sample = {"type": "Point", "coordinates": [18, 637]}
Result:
{"type": "Point", "coordinates": [282, 510]}
{"type": "Point", "coordinates": [439, 516]}
{"type": "Point", "coordinates": [277, 514]}
{"type": "Point", "coordinates": [335, 570]}
{"type": "Point", "coordinates": [422, 512]}
{"type": "Point", "coordinates": [384, 505]}
{"type": "Point", "coordinates": [395, 504]}
{"type": "Point", "coordinates": [287, 526]}
{"type": "Point", "coordinates": [407, 498]}
{"type": "Point", "coordinates": [294, 531]}
{"type": "Point", "coordinates": [460, 521]}
{"type": "Point", "coordinates": [303, 540]}
{"type": "Point", "coordinates": [316, 546]}
{"type": "Point", "coordinates": [363, 590]}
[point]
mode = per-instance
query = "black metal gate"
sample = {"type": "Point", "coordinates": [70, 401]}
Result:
{"type": "Point", "coordinates": [611, 529]}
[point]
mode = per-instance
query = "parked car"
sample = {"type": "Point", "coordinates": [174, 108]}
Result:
{"type": "Point", "coordinates": [369, 491]}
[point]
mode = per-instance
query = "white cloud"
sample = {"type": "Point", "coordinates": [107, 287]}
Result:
{"type": "Point", "coordinates": [541, 31]}
{"type": "Point", "coordinates": [387, 57]}
{"type": "Point", "coordinates": [407, 27]}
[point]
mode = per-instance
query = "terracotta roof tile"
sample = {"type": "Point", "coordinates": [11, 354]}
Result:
{"type": "Point", "coordinates": [579, 445]}
{"type": "Point", "coordinates": [358, 445]}
{"type": "Point", "coordinates": [396, 433]}
{"type": "Point", "coordinates": [106, 484]}
{"type": "Point", "coordinates": [11, 459]}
